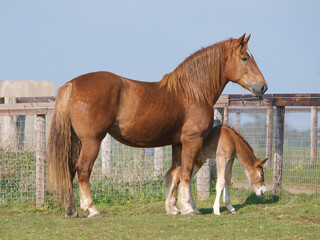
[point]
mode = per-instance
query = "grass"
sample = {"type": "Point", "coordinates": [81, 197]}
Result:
{"type": "Point", "coordinates": [290, 218]}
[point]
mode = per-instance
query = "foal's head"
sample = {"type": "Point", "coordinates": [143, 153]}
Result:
{"type": "Point", "coordinates": [256, 177]}
{"type": "Point", "coordinates": [241, 68]}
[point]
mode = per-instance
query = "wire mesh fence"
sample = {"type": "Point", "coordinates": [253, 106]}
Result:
{"type": "Point", "coordinates": [300, 174]}
{"type": "Point", "coordinates": [133, 173]}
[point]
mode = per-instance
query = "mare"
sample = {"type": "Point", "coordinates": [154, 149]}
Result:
{"type": "Point", "coordinates": [177, 111]}
{"type": "Point", "coordinates": [223, 144]}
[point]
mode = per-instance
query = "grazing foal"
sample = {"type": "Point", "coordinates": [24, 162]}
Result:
{"type": "Point", "coordinates": [223, 144]}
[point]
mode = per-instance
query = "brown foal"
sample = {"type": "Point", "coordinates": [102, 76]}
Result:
{"type": "Point", "coordinates": [223, 144]}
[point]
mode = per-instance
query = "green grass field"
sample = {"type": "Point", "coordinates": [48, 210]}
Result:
{"type": "Point", "coordinates": [290, 218]}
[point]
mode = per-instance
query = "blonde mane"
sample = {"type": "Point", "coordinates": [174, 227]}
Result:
{"type": "Point", "coordinates": [241, 139]}
{"type": "Point", "coordinates": [199, 76]}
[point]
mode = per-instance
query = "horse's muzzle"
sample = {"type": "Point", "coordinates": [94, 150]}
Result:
{"type": "Point", "coordinates": [259, 89]}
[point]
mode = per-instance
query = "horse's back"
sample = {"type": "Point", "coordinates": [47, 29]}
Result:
{"type": "Point", "coordinates": [135, 113]}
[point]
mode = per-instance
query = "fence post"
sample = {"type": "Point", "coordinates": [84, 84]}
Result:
{"type": "Point", "coordinates": [225, 116]}
{"type": "Point", "coordinates": [314, 134]}
{"type": "Point", "coordinates": [106, 155]}
{"type": "Point", "coordinates": [269, 135]}
{"type": "Point", "coordinates": [158, 161]}
{"type": "Point", "coordinates": [218, 116]}
{"type": "Point", "coordinates": [40, 158]}
{"type": "Point", "coordinates": [238, 121]}
{"type": "Point", "coordinates": [203, 182]}
{"type": "Point", "coordinates": [9, 129]}
{"type": "Point", "coordinates": [142, 154]}
{"type": "Point", "coordinates": [278, 155]}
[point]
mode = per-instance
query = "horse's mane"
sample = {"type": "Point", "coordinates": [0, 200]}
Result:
{"type": "Point", "coordinates": [241, 138]}
{"type": "Point", "coordinates": [199, 76]}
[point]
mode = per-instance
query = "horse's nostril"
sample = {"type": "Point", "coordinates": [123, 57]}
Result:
{"type": "Point", "coordinates": [264, 89]}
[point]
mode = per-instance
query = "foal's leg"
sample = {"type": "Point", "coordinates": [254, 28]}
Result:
{"type": "Point", "coordinates": [190, 149]}
{"type": "Point", "coordinates": [221, 167]}
{"type": "Point", "coordinates": [226, 194]}
{"type": "Point", "coordinates": [172, 181]}
{"type": "Point", "coordinates": [88, 154]}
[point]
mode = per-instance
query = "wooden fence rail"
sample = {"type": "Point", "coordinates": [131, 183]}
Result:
{"type": "Point", "coordinates": [269, 103]}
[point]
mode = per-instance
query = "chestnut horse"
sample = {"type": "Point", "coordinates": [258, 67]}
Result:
{"type": "Point", "coordinates": [223, 144]}
{"type": "Point", "coordinates": [178, 110]}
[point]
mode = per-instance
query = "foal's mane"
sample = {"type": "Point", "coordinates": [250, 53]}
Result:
{"type": "Point", "coordinates": [199, 76]}
{"type": "Point", "coordinates": [241, 139]}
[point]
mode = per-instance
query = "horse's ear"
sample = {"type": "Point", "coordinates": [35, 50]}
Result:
{"type": "Point", "coordinates": [246, 40]}
{"type": "Point", "coordinates": [239, 41]}
{"type": "Point", "coordinates": [263, 161]}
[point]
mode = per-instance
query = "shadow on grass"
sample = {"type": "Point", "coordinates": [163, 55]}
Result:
{"type": "Point", "coordinates": [252, 199]}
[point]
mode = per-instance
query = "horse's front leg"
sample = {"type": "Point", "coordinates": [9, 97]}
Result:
{"type": "Point", "coordinates": [198, 164]}
{"type": "Point", "coordinates": [190, 149]}
{"type": "Point", "coordinates": [220, 183]}
{"type": "Point", "coordinates": [226, 194]}
{"type": "Point", "coordinates": [88, 154]}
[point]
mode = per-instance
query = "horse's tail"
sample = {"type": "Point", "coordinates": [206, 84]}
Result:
{"type": "Point", "coordinates": [62, 148]}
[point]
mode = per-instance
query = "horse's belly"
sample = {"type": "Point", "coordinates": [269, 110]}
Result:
{"type": "Point", "coordinates": [144, 137]}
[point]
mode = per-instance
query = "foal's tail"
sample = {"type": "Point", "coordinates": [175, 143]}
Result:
{"type": "Point", "coordinates": [62, 148]}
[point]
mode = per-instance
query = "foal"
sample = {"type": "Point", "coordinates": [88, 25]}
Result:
{"type": "Point", "coordinates": [223, 144]}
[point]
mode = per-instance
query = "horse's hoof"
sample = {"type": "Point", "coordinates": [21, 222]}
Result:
{"type": "Point", "coordinates": [93, 215]}
{"type": "Point", "coordinates": [93, 212]}
{"type": "Point", "coordinates": [233, 211]}
{"type": "Point", "coordinates": [173, 212]}
{"type": "Point", "coordinates": [189, 213]}
{"type": "Point", "coordinates": [72, 215]}
{"type": "Point", "coordinates": [197, 212]}
{"type": "Point", "coordinates": [217, 213]}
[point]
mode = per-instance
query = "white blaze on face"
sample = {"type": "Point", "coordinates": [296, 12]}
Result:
{"type": "Point", "coordinates": [249, 53]}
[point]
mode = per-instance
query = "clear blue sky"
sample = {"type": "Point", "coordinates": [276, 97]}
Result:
{"type": "Point", "coordinates": [143, 40]}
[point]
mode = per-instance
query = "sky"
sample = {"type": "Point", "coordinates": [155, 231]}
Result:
{"type": "Point", "coordinates": [143, 40]}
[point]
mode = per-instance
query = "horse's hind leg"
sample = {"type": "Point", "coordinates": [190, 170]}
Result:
{"type": "Point", "coordinates": [226, 194]}
{"type": "Point", "coordinates": [69, 205]}
{"type": "Point", "coordinates": [172, 182]}
{"type": "Point", "coordinates": [88, 154]}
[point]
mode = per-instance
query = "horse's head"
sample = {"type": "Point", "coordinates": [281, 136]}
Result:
{"type": "Point", "coordinates": [241, 68]}
{"type": "Point", "coordinates": [256, 177]}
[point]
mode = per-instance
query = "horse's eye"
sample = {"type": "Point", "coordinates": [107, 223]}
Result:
{"type": "Point", "coordinates": [244, 59]}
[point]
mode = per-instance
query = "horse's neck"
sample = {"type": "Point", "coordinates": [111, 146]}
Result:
{"type": "Point", "coordinates": [217, 92]}
{"type": "Point", "coordinates": [245, 155]}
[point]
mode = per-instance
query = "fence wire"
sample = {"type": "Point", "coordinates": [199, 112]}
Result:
{"type": "Point", "coordinates": [135, 173]}
{"type": "Point", "coordinates": [299, 175]}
